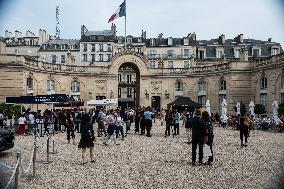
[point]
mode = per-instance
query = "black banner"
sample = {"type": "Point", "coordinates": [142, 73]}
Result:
{"type": "Point", "coordinates": [39, 99]}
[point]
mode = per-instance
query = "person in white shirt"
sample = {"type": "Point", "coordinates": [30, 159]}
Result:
{"type": "Point", "coordinates": [110, 122]}
{"type": "Point", "coordinates": [119, 125]}
{"type": "Point", "coordinates": [22, 124]}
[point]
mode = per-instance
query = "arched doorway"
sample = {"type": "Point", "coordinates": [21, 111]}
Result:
{"type": "Point", "coordinates": [128, 85]}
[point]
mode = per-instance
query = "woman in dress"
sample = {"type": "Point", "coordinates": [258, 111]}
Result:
{"type": "Point", "coordinates": [87, 138]}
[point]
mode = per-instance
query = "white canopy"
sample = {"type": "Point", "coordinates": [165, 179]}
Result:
{"type": "Point", "coordinates": [104, 102]}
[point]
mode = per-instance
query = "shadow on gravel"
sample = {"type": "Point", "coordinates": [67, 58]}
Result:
{"type": "Point", "coordinates": [277, 179]}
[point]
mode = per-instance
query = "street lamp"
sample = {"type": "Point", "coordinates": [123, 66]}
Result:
{"type": "Point", "coordinates": [167, 94]}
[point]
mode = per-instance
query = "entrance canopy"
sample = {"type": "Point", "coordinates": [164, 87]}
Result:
{"type": "Point", "coordinates": [184, 102]}
{"type": "Point", "coordinates": [39, 99]}
{"type": "Point", "coordinates": [103, 102]}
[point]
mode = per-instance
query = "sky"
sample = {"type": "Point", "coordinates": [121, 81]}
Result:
{"type": "Point", "coordinates": [256, 19]}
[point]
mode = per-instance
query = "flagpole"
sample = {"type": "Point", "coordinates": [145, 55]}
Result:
{"type": "Point", "coordinates": [125, 26]}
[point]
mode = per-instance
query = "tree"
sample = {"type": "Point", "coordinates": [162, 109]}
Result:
{"type": "Point", "coordinates": [259, 109]}
{"type": "Point", "coordinates": [10, 109]}
{"type": "Point", "coordinates": [281, 109]}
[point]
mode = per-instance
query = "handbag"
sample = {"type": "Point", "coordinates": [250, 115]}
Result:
{"type": "Point", "coordinates": [246, 123]}
{"type": "Point", "coordinates": [206, 150]}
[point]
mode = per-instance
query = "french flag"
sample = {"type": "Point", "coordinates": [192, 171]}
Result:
{"type": "Point", "coordinates": [121, 11]}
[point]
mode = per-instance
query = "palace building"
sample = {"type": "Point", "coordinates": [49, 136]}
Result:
{"type": "Point", "coordinates": [144, 71]}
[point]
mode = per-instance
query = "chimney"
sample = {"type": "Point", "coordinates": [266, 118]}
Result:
{"type": "Point", "coordinates": [222, 39]}
{"type": "Point", "coordinates": [193, 36]}
{"type": "Point", "coordinates": [241, 38]}
{"type": "Point", "coordinates": [244, 54]}
{"type": "Point", "coordinates": [144, 35]}
{"type": "Point", "coordinates": [269, 39]}
{"type": "Point", "coordinates": [160, 36]}
{"type": "Point", "coordinates": [113, 29]}
{"type": "Point", "coordinates": [6, 34]}
{"type": "Point", "coordinates": [83, 30]}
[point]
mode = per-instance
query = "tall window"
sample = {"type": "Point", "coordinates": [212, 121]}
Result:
{"type": "Point", "coordinates": [187, 64]}
{"type": "Point", "coordinates": [219, 54]}
{"type": "Point", "coordinates": [129, 92]}
{"type": "Point", "coordinates": [101, 57]}
{"type": "Point", "coordinates": [201, 54]}
{"type": "Point", "coordinates": [201, 86]}
{"type": "Point", "coordinates": [108, 57]}
{"type": "Point", "coordinates": [85, 57]}
{"type": "Point", "coordinates": [179, 86]}
{"type": "Point", "coordinates": [263, 83]}
{"type": "Point", "coordinates": [50, 85]}
{"type": "Point", "coordinates": [256, 53]}
{"type": "Point", "coordinates": [129, 78]}
{"type": "Point", "coordinates": [53, 59]}
{"type": "Point", "coordinates": [170, 53]}
{"type": "Point", "coordinates": [237, 53]}
{"type": "Point", "coordinates": [263, 99]}
{"type": "Point", "coordinates": [222, 85]}
{"type": "Point", "coordinates": [85, 48]}
{"type": "Point", "coordinates": [152, 64]}
{"type": "Point", "coordinates": [109, 47]}
{"type": "Point", "coordinates": [119, 78]}
{"type": "Point", "coordinates": [119, 92]}
{"type": "Point", "coordinates": [202, 100]}
{"type": "Point", "coordinates": [275, 51]}
{"type": "Point", "coordinates": [101, 48]}
{"type": "Point", "coordinates": [30, 83]}
{"type": "Point", "coordinates": [93, 57]}
{"type": "Point", "coordinates": [152, 42]}
{"type": "Point", "coordinates": [186, 52]}
{"type": "Point", "coordinates": [63, 59]}
{"type": "Point", "coordinates": [170, 64]}
{"type": "Point", "coordinates": [75, 86]}
{"type": "Point", "coordinates": [93, 47]}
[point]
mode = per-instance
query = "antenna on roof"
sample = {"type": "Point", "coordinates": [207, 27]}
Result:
{"type": "Point", "coordinates": [57, 34]}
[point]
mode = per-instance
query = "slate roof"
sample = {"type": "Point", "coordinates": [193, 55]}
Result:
{"type": "Point", "coordinates": [50, 44]}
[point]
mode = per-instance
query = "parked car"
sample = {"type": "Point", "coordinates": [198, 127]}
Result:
{"type": "Point", "coordinates": [7, 139]}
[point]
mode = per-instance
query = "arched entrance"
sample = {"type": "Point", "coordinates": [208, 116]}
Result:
{"type": "Point", "coordinates": [128, 85]}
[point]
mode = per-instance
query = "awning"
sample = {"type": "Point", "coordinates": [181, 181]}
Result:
{"type": "Point", "coordinates": [185, 101]}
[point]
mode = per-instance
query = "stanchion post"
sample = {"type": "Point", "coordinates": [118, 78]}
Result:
{"type": "Point", "coordinates": [47, 151]}
{"type": "Point", "coordinates": [16, 184]}
{"type": "Point", "coordinates": [34, 159]}
{"type": "Point", "coordinates": [41, 130]}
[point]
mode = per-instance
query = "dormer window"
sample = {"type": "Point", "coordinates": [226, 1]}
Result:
{"type": "Point", "coordinates": [219, 52]}
{"type": "Point", "coordinates": [152, 42]}
{"type": "Point", "coordinates": [170, 41]}
{"type": "Point", "coordinates": [237, 53]}
{"type": "Point", "coordinates": [62, 47]}
{"type": "Point", "coordinates": [275, 50]}
{"type": "Point", "coordinates": [256, 51]}
{"type": "Point", "coordinates": [129, 41]}
{"type": "Point", "coordinates": [139, 40]}
{"type": "Point", "coordinates": [201, 53]}
{"type": "Point", "coordinates": [186, 41]}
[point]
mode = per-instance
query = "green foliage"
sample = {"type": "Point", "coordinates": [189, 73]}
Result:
{"type": "Point", "coordinates": [259, 109]}
{"type": "Point", "coordinates": [281, 109]}
{"type": "Point", "coordinates": [10, 109]}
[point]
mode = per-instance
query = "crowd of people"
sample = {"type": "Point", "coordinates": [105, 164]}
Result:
{"type": "Point", "coordinates": [117, 123]}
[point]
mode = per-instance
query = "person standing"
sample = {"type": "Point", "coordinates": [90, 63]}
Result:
{"type": "Point", "coordinates": [87, 138]}
{"type": "Point", "coordinates": [137, 120]}
{"type": "Point", "coordinates": [188, 126]}
{"type": "Point", "coordinates": [148, 121]}
{"type": "Point", "coordinates": [199, 136]}
{"type": "Point", "coordinates": [110, 121]}
{"type": "Point", "coordinates": [168, 119]}
{"type": "Point", "coordinates": [70, 128]}
{"type": "Point", "coordinates": [209, 128]}
{"type": "Point", "coordinates": [176, 122]}
{"type": "Point", "coordinates": [22, 124]}
{"type": "Point", "coordinates": [244, 125]}
{"type": "Point", "coordinates": [162, 116]}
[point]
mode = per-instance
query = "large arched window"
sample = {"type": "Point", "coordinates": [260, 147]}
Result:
{"type": "Point", "coordinates": [201, 86]}
{"type": "Point", "coordinates": [50, 85]}
{"type": "Point", "coordinates": [30, 83]}
{"type": "Point", "coordinates": [179, 86]}
{"type": "Point", "coordinates": [75, 86]}
{"type": "Point", "coordinates": [222, 85]}
{"type": "Point", "coordinates": [263, 83]}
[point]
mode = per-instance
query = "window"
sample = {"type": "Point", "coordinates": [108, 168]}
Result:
{"type": "Point", "coordinates": [119, 78]}
{"type": "Point", "coordinates": [153, 53]}
{"type": "Point", "coordinates": [186, 52]}
{"type": "Point", "coordinates": [119, 92]}
{"type": "Point", "coordinates": [179, 86]}
{"type": "Point", "coordinates": [263, 83]}
{"type": "Point", "coordinates": [118, 50]}
{"type": "Point", "coordinates": [85, 57]}
{"type": "Point", "coordinates": [139, 50]}
{"type": "Point", "coordinates": [237, 53]}
{"type": "Point", "coordinates": [129, 92]}
{"type": "Point", "coordinates": [187, 64]}
{"type": "Point", "coordinates": [50, 85]}
{"type": "Point", "coordinates": [101, 57]}
{"type": "Point", "coordinates": [263, 99]}
{"type": "Point", "coordinates": [219, 54]}
{"type": "Point", "coordinates": [108, 57]}
{"type": "Point", "coordinates": [93, 57]}
{"type": "Point", "coordinates": [201, 86]}
{"type": "Point", "coordinates": [202, 100]}
{"type": "Point", "coordinates": [129, 78]}
{"type": "Point", "coordinates": [93, 47]}
{"type": "Point", "coordinates": [170, 41]}
{"type": "Point", "coordinates": [170, 53]}
{"type": "Point", "coordinates": [185, 41]}
{"type": "Point", "coordinates": [30, 83]}
{"type": "Point", "coordinates": [101, 48]}
{"type": "Point", "coordinates": [75, 86]}
{"type": "Point", "coordinates": [109, 47]}
{"type": "Point", "coordinates": [152, 64]}
{"type": "Point", "coordinates": [222, 85]}
{"type": "Point", "coordinates": [170, 64]}
{"type": "Point", "coordinates": [129, 41]}
{"type": "Point", "coordinates": [53, 59]}
{"type": "Point", "coordinates": [201, 54]}
{"type": "Point", "coordinates": [256, 53]}
{"type": "Point", "coordinates": [275, 51]}
{"type": "Point", "coordinates": [85, 48]}
{"type": "Point", "coordinates": [152, 42]}
{"type": "Point", "coordinates": [62, 58]}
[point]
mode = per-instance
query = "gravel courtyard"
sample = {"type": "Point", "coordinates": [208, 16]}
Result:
{"type": "Point", "coordinates": [157, 162]}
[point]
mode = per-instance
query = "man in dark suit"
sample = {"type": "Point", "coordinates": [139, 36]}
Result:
{"type": "Point", "coordinates": [199, 136]}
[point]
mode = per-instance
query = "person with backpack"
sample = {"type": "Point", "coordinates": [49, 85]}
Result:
{"type": "Point", "coordinates": [87, 138]}
{"type": "Point", "coordinates": [188, 126]}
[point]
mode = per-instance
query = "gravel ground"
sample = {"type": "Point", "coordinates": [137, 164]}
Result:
{"type": "Point", "coordinates": [157, 162]}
